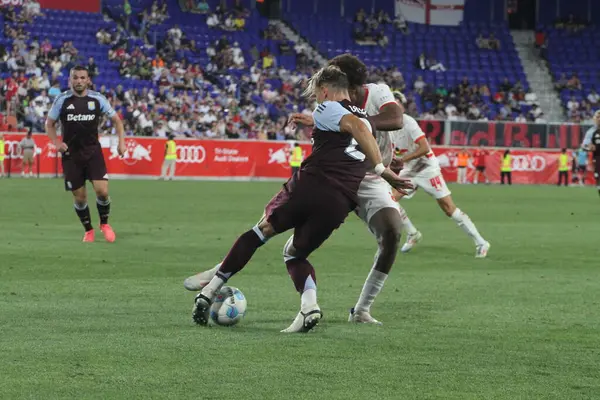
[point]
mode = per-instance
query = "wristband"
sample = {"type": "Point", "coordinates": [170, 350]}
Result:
{"type": "Point", "coordinates": [379, 168]}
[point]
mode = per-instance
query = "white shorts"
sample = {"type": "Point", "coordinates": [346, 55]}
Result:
{"type": "Point", "coordinates": [374, 194]}
{"type": "Point", "coordinates": [432, 183]}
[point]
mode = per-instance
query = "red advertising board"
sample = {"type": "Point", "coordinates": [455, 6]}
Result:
{"type": "Point", "coordinates": [73, 5]}
{"type": "Point", "coordinates": [246, 160]}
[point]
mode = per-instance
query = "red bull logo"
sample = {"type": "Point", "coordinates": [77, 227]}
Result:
{"type": "Point", "coordinates": [135, 152]}
{"type": "Point", "coordinates": [279, 156]}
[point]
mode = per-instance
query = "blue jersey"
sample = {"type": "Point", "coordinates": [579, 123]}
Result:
{"type": "Point", "coordinates": [80, 117]}
{"type": "Point", "coordinates": [582, 157]}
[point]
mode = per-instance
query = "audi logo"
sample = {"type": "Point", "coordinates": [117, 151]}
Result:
{"type": "Point", "coordinates": [528, 163]}
{"type": "Point", "coordinates": [13, 150]}
{"type": "Point", "coordinates": [191, 154]}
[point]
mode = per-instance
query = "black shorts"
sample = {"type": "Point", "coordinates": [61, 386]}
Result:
{"type": "Point", "coordinates": [76, 172]}
{"type": "Point", "coordinates": [312, 207]}
{"type": "Point", "coordinates": [480, 169]}
{"type": "Point", "coordinates": [582, 168]}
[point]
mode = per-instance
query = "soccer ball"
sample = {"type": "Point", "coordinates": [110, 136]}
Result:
{"type": "Point", "coordinates": [229, 306]}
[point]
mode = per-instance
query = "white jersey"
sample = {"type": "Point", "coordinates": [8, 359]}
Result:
{"type": "Point", "coordinates": [405, 141]}
{"type": "Point", "coordinates": [378, 95]}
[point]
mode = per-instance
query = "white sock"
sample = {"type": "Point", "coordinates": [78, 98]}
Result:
{"type": "Point", "coordinates": [370, 290]}
{"type": "Point", "coordinates": [309, 295]}
{"type": "Point", "coordinates": [213, 270]}
{"type": "Point", "coordinates": [215, 284]}
{"type": "Point", "coordinates": [406, 222]}
{"type": "Point", "coordinates": [465, 223]}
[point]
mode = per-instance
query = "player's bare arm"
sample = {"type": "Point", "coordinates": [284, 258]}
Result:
{"type": "Point", "coordinates": [389, 117]}
{"type": "Point", "coordinates": [120, 133]}
{"type": "Point", "coordinates": [359, 131]}
{"type": "Point", "coordinates": [422, 150]}
{"type": "Point", "coordinates": [303, 119]}
{"type": "Point", "coordinates": [51, 132]}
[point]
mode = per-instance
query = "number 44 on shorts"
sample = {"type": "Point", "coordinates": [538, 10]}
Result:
{"type": "Point", "coordinates": [436, 182]}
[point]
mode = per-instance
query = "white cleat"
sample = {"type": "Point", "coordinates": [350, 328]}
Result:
{"type": "Point", "coordinates": [305, 321]}
{"type": "Point", "coordinates": [362, 317]}
{"type": "Point", "coordinates": [411, 241]}
{"type": "Point", "coordinates": [482, 250]}
{"type": "Point", "coordinates": [197, 282]}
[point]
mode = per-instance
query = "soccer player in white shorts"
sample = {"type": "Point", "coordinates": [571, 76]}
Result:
{"type": "Point", "coordinates": [421, 166]}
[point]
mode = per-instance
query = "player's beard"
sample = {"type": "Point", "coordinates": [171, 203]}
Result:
{"type": "Point", "coordinates": [79, 89]}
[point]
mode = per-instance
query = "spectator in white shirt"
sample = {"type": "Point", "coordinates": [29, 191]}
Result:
{"type": "Point", "coordinates": [521, 119]}
{"type": "Point", "coordinates": [212, 21]}
{"type": "Point", "coordinates": [175, 34]}
{"type": "Point", "coordinates": [33, 9]}
{"type": "Point", "coordinates": [593, 98]}
{"type": "Point", "coordinates": [436, 66]}
{"type": "Point", "coordinates": [535, 111]}
{"type": "Point", "coordinates": [573, 104]}
{"type": "Point", "coordinates": [530, 97]}
{"type": "Point", "coordinates": [174, 125]}
{"type": "Point", "coordinates": [419, 85]}
{"type": "Point", "coordinates": [161, 131]}
{"type": "Point", "coordinates": [43, 98]}
{"type": "Point", "coordinates": [44, 82]}
{"type": "Point", "coordinates": [450, 108]}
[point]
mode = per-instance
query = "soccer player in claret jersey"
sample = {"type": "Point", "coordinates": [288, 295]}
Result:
{"type": "Point", "coordinates": [79, 111]}
{"type": "Point", "coordinates": [591, 142]}
{"type": "Point", "coordinates": [376, 204]}
{"type": "Point", "coordinates": [315, 201]}
{"type": "Point", "coordinates": [420, 165]}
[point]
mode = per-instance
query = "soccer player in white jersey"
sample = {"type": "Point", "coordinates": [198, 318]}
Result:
{"type": "Point", "coordinates": [419, 164]}
{"type": "Point", "coordinates": [377, 206]}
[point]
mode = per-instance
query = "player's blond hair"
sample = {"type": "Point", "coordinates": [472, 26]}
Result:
{"type": "Point", "coordinates": [328, 75]}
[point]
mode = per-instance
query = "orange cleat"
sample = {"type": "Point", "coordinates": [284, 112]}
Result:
{"type": "Point", "coordinates": [89, 236]}
{"type": "Point", "coordinates": [108, 232]}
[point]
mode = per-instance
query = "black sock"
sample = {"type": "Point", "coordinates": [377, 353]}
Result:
{"type": "Point", "coordinates": [103, 204]}
{"type": "Point", "coordinates": [83, 212]}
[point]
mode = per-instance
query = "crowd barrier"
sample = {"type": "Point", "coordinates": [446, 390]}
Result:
{"type": "Point", "coordinates": [259, 160]}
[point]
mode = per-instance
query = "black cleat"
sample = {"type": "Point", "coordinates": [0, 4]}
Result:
{"type": "Point", "coordinates": [201, 310]}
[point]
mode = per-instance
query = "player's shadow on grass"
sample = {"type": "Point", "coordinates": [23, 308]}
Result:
{"type": "Point", "coordinates": [441, 251]}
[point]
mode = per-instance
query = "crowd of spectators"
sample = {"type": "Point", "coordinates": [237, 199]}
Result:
{"type": "Point", "coordinates": [490, 42]}
{"type": "Point", "coordinates": [579, 110]}
{"type": "Point", "coordinates": [215, 101]}
{"type": "Point", "coordinates": [368, 29]}
{"type": "Point", "coordinates": [33, 67]}
{"type": "Point", "coordinates": [258, 112]}
{"type": "Point", "coordinates": [571, 24]}
{"type": "Point", "coordinates": [468, 101]}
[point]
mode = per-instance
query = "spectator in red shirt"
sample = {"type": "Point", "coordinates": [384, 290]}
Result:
{"type": "Point", "coordinates": [480, 160]}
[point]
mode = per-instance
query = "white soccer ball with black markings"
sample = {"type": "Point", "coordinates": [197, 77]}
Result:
{"type": "Point", "coordinates": [229, 307]}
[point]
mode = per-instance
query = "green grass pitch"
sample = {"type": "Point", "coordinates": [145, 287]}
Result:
{"type": "Point", "coordinates": [112, 321]}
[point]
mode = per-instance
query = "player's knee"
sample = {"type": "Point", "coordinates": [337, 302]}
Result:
{"type": "Point", "coordinates": [390, 237]}
{"type": "Point", "coordinates": [266, 230]}
{"type": "Point", "coordinates": [102, 193]}
{"type": "Point", "coordinates": [289, 251]}
{"type": "Point", "coordinates": [80, 198]}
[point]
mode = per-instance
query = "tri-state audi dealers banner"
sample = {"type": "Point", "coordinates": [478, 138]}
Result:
{"type": "Point", "coordinates": [247, 160]}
